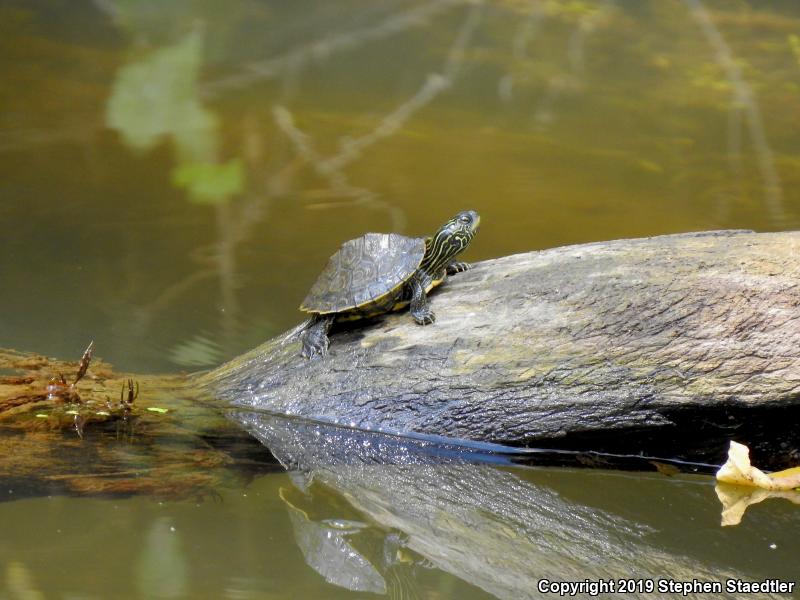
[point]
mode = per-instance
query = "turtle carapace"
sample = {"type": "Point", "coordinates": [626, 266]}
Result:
{"type": "Point", "coordinates": [383, 272]}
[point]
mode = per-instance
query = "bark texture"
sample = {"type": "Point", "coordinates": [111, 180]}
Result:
{"type": "Point", "coordinates": [686, 336]}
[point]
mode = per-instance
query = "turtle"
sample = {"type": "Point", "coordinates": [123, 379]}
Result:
{"type": "Point", "coordinates": [384, 272]}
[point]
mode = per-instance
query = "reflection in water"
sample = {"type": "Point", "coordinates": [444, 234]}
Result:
{"type": "Point", "coordinates": [155, 97]}
{"type": "Point", "coordinates": [743, 101]}
{"type": "Point", "coordinates": [351, 149]}
{"type": "Point", "coordinates": [485, 525]}
{"type": "Point", "coordinates": [329, 546]}
{"type": "Point", "coordinates": [329, 44]}
{"type": "Point", "coordinates": [19, 582]}
{"type": "Point", "coordinates": [369, 512]}
{"type": "Point", "coordinates": [736, 499]}
{"type": "Point", "coordinates": [161, 571]}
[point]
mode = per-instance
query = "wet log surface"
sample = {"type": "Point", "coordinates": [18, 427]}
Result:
{"type": "Point", "coordinates": [668, 346]}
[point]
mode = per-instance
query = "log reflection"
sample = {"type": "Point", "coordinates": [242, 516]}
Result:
{"type": "Point", "coordinates": [450, 508]}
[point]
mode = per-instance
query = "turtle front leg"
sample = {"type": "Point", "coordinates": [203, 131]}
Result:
{"type": "Point", "coordinates": [420, 310]}
{"type": "Point", "coordinates": [315, 338]}
{"type": "Point", "coordinates": [458, 267]}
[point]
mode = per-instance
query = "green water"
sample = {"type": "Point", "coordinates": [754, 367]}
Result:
{"type": "Point", "coordinates": [173, 176]}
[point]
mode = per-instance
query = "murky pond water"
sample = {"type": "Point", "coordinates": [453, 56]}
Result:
{"type": "Point", "coordinates": [173, 177]}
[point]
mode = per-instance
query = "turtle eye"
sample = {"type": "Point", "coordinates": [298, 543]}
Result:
{"type": "Point", "coordinates": [466, 219]}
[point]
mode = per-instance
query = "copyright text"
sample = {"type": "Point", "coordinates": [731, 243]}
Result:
{"type": "Point", "coordinates": [596, 587]}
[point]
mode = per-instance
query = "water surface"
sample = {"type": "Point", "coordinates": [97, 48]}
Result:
{"type": "Point", "coordinates": [173, 177]}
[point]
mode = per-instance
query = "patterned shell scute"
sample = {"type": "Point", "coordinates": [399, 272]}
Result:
{"type": "Point", "coordinates": [364, 269]}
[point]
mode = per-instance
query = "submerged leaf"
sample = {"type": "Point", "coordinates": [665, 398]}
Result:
{"type": "Point", "coordinates": [156, 409]}
{"type": "Point", "coordinates": [665, 469]}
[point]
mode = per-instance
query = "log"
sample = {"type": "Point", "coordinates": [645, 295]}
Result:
{"type": "Point", "coordinates": [669, 346]}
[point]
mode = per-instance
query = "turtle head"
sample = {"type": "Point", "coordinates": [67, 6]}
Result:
{"type": "Point", "coordinates": [452, 239]}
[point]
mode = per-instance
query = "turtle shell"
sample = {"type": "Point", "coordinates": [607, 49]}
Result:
{"type": "Point", "coordinates": [363, 271]}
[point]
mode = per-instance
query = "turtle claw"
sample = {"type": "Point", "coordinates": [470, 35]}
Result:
{"type": "Point", "coordinates": [458, 267]}
{"type": "Point", "coordinates": [425, 318]}
{"type": "Point", "coordinates": [314, 346]}
{"type": "Point", "coordinates": [315, 338]}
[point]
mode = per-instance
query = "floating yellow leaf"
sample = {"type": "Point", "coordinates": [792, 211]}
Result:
{"type": "Point", "coordinates": [738, 470]}
{"type": "Point", "coordinates": [156, 409]}
{"type": "Point", "coordinates": [742, 485]}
